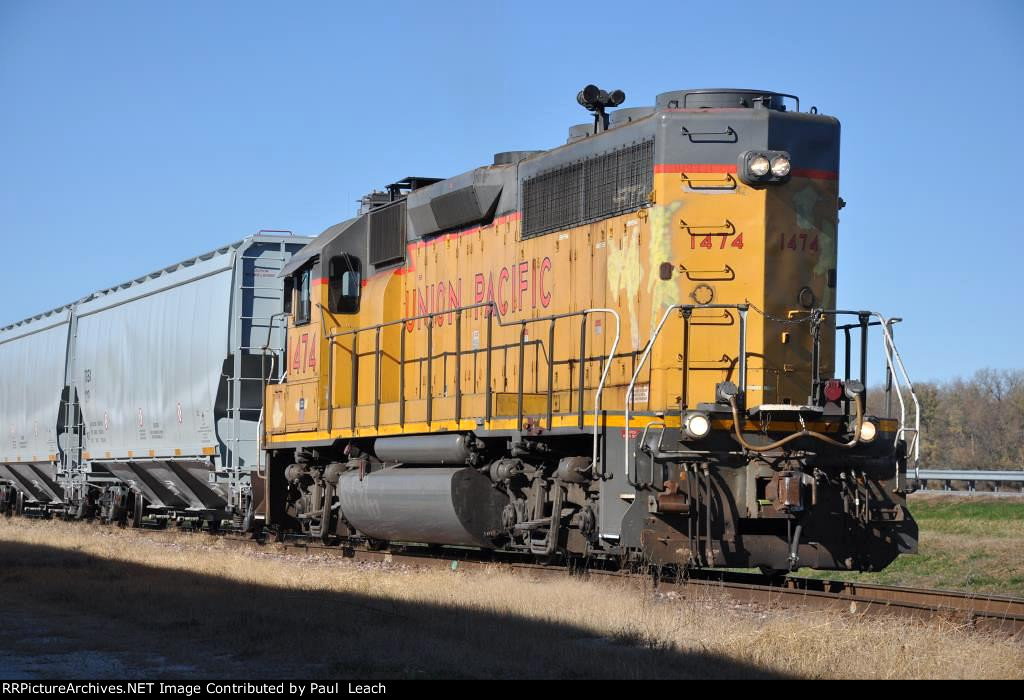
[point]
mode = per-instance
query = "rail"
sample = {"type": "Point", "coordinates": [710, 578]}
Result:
{"type": "Point", "coordinates": [491, 312]}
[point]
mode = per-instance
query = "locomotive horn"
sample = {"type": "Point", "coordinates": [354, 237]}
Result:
{"type": "Point", "coordinates": [596, 100]}
{"type": "Point", "coordinates": [588, 97]}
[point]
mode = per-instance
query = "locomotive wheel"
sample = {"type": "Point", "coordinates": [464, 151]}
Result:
{"type": "Point", "coordinates": [375, 545]}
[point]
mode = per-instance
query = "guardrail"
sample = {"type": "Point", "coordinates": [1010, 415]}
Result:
{"type": "Point", "coordinates": [970, 477]}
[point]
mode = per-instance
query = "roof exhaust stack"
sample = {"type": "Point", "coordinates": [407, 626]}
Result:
{"type": "Point", "coordinates": [596, 100]}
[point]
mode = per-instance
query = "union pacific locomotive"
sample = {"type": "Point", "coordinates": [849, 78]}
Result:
{"type": "Point", "coordinates": [620, 350]}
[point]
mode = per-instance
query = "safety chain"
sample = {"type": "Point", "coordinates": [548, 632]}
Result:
{"type": "Point", "coordinates": [813, 316]}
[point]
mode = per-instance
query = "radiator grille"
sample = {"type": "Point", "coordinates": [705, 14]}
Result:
{"type": "Point", "coordinates": [593, 189]}
{"type": "Point", "coordinates": [387, 234]}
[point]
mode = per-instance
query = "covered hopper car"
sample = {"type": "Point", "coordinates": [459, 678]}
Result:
{"type": "Point", "coordinates": [142, 401]}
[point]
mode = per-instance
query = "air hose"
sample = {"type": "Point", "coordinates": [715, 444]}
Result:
{"type": "Point", "coordinates": [803, 433]}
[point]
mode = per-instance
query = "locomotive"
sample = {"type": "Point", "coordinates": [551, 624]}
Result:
{"type": "Point", "coordinates": [621, 350]}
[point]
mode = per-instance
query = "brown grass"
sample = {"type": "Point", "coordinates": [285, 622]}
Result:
{"type": "Point", "coordinates": [184, 605]}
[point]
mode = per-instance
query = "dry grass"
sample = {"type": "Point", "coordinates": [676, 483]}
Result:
{"type": "Point", "coordinates": [196, 606]}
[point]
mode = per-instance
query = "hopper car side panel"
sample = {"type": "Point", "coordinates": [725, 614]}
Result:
{"type": "Point", "coordinates": [33, 359]}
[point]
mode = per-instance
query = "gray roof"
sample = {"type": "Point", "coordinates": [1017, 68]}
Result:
{"type": "Point", "coordinates": [314, 247]}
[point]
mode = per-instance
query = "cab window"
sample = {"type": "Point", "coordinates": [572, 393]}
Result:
{"type": "Point", "coordinates": [304, 299]}
{"type": "Point", "coordinates": [345, 284]}
{"type": "Point", "coordinates": [289, 290]}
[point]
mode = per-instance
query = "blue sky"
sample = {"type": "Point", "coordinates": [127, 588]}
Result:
{"type": "Point", "coordinates": [136, 134]}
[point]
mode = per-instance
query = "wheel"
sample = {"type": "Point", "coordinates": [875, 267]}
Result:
{"type": "Point", "coordinates": [375, 545]}
{"type": "Point", "coordinates": [118, 513]}
{"type": "Point", "coordinates": [138, 510]}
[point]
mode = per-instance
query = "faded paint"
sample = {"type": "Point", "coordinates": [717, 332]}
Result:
{"type": "Point", "coordinates": [626, 274]}
{"type": "Point", "coordinates": [664, 293]}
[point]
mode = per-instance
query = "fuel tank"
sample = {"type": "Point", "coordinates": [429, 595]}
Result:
{"type": "Point", "coordinates": [439, 505]}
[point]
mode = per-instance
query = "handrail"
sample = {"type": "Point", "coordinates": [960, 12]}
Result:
{"type": "Point", "coordinates": [891, 353]}
{"type": "Point", "coordinates": [604, 376]}
{"type": "Point", "coordinates": [915, 446]}
{"type": "Point", "coordinates": [494, 313]}
{"type": "Point", "coordinates": [742, 360]}
{"type": "Point", "coordinates": [893, 360]}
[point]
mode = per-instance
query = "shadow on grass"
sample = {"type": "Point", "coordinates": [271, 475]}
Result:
{"type": "Point", "coordinates": [201, 625]}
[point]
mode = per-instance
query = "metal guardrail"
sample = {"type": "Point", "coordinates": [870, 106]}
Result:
{"type": "Point", "coordinates": [970, 477]}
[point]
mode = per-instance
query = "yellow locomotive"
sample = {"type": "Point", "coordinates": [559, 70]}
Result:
{"type": "Point", "coordinates": [622, 348]}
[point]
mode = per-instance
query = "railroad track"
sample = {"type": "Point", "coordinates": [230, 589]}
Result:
{"type": "Point", "coordinates": [984, 612]}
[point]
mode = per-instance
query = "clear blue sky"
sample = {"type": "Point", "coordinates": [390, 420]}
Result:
{"type": "Point", "coordinates": [136, 134]}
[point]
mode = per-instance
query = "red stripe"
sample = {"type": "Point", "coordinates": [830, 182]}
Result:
{"type": "Point", "coordinates": [729, 168]}
{"type": "Point", "coordinates": [815, 174]}
{"type": "Point", "coordinates": [694, 168]}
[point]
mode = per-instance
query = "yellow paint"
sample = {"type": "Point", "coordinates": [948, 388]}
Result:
{"type": "Point", "coordinates": [613, 421]}
{"type": "Point", "coordinates": [722, 244]}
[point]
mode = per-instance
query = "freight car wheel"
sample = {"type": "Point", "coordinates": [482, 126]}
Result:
{"type": "Point", "coordinates": [138, 510]}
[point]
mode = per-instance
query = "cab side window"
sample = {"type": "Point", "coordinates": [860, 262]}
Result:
{"type": "Point", "coordinates": [304, 300]}
{"type": "Point", "coordinates": [345, 284]}
{"type": "Point", "coordinates": [289, 290]}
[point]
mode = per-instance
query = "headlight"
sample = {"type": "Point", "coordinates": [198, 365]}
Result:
{"type": "Point", "coordinates": [697, 425]}
{"type": "Point", "coordinates": [780, 166]}
{"type": "Point", "coordinates": [868, 431]}
{"type": "Point", "coordinates": [764, 167]}
{"type": "Point", "coordinates": [759, 166]}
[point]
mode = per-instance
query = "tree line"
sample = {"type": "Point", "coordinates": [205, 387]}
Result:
{"type": "Point", "coordinates": [973, 423]}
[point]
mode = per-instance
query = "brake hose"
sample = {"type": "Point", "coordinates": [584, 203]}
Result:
{"type": "Point", "coordinates": [803, 433]}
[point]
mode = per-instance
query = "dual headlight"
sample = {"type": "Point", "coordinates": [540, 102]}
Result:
{"type": "Point", "coordinates": [756, 167]}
